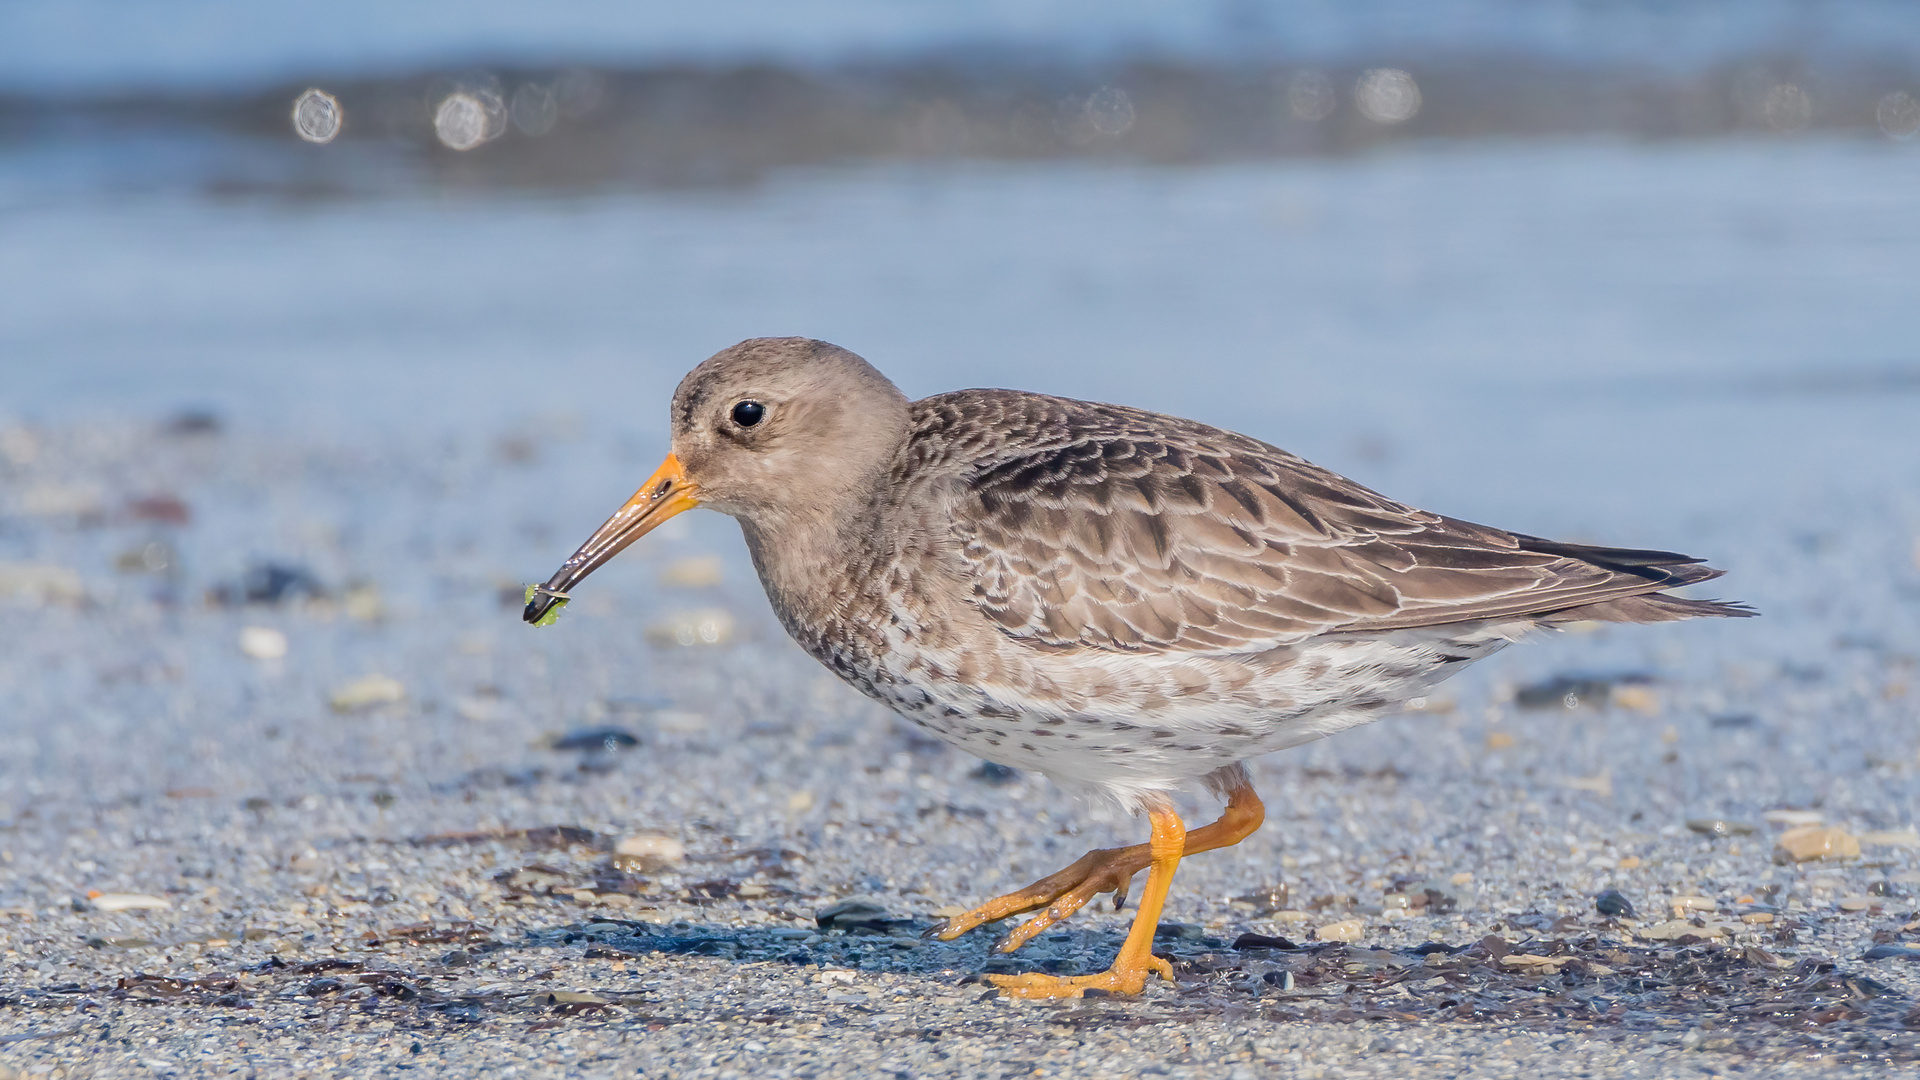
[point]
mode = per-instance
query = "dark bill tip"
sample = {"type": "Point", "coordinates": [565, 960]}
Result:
{"type": "Point", "coordinates": [542, 599]}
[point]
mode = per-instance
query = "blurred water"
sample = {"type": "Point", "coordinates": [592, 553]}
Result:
{"type": "Point", "coordinates": [92, 45]}
{"type": "Point", "coordinates": [1580, 314]}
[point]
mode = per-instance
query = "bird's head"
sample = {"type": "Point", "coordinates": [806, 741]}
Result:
{"type": "Point", "coordinates": [774, 431]}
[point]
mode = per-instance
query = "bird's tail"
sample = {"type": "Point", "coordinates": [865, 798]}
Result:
{"type": "Point", "coordinates": [1668, 569]}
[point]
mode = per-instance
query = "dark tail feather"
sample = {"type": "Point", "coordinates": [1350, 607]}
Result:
{"type": "Point", "coordinates": [1629, 559]}
{"type": "Point", "coordinates": [1669, 568]}
{"type": "Point", "coordinates": [1652, 607]}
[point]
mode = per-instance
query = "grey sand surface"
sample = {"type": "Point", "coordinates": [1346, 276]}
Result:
{"type": "Point", "coordinates": [418, 879]}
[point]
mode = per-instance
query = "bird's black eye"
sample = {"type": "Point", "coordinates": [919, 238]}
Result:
{"type": "Point", "coordinates": [748, 413]}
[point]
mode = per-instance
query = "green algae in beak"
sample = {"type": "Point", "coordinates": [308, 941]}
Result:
{"type": "Point", "coordinates": [556, 601]}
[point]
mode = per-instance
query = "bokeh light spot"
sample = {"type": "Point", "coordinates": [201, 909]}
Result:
{"type": "Point", "coordinates": [1787, 108]}
{"type": "Point", "coordinates": [1110, 111]}
{"type": "Point", "coordinates": [317, 116]}
{"type": "Point", "coordinates": [1387, 96]}
{"type": "Point", "coordinates": [1898, 115]}
{"type": "Point", "coordinates": [465, 119]}
{"type": "Point", "coordinates": [534, 110]}
{"type": "Point", "coordinates": [1310, 95]}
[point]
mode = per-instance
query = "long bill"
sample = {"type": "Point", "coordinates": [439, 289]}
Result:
{"type": "Point", "coordinates": [666, 493]}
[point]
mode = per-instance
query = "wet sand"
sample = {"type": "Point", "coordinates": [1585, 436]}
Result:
{"type": "Point", "coordinates": [417, 874]}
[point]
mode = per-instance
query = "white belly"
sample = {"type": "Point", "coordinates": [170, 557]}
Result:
{"type": "Point", "coordinates": [1122, 725]}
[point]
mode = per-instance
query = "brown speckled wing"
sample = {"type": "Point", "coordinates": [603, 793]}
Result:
{"type": "Point", "coordinates": [1084, 525]}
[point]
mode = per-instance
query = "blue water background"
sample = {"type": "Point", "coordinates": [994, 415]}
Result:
{"type": "Point", "coordinates": [86, 46]}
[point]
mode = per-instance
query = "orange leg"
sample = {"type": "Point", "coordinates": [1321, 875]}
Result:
{"type": "Point", "coordinates": [1128, 975]}
{"type": "Point", "coordinates": [1105, 870]}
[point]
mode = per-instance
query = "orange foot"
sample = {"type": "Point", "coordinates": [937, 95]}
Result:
{"type": "Point", "coordinates": [1121, 978]}
{"type": "Point", "coordinates": [1129, 972]}
{"type": "Point", "coordinates": [1108, 870]}
{"type": "Point", "coordinates": [1062, 893]}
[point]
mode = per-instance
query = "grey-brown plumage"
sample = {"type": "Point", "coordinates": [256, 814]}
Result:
{"type": "Point", "coordinates": [1124, 601]}
{"type": "Point", "coordinates": [1106, 527]}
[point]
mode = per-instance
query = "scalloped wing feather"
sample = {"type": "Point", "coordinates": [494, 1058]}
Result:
{"type": "Point", "coordinates": [1104, 527]}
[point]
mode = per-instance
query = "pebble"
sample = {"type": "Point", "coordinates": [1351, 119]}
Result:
{"type": "Point", "coordinates": [604, 739]}
{"type": "Point", "coordinates": [189, 423]}
{"type": "Point", "coordinates": [152, 557]}
{"type": "Point", "coordinates": [1613, 904]}
{"type": "Point", "coordinates": [680, 721]}
{"type": "Point", "coordinates": [697, 572]}
{"type": "Point", "coordinates": [1266, 899]}
{"type": "Point", "coordinates": [1757, 918]}
{"type": "Point", "coordinates": [704, 627]}
{"type": "Point", "coordinates": [1809, 842]}
{"type": "Point", "coordinates": [569, 997]}
{"type": "Point", "coordinates": [159, 509]}
{"type": "Point", "coordinates": [1856, 903]}
{"type": "Point", "coordinates": [1679, 928]}
{"type": "Point", "coordinates": [1794, 817]}
{"type": "Point", "coordinates": [363, 602]}
{"type": "Point", "coordinates": [126, 901]}
{"type": "Point", "coordinates": [1550, 963]}
{"type": "Point", "coordinates": [61, 500]}
{"type": "Point", "coordinates": [263, 643]}
{"type": "Point", "coordinates": [1905, 838]}
{"type": "Point", "coordinates": [1600, 783]}
{"type": "Point", "coordinates": [365, 693]}
{"type": "Point", "coordinates": [268, 583]}
{"type": "Point", "coordinates": [1899, 950]}
{"type": "Point", "coordinates": [1641, 699]}
{"type": "Point", "coordinates": [648, 852]}
{"type": "Point", "coordinates": [1263, 941]}
{"type": "Point", "coordinates": [1292, 916]}
{"type": "Point", "coordinates": [478, 710]}
{"type": "Point", "coordinates": [995, 774]}
{"type": "Point", "coordinates": [853, 915]}
{"type": "Point", "coordinates": [1684, 904]}
{"type": "Point", "coordinates": [1437, 897]}
{"type": "Point", "coordinates": [1719, 827]}
{"type": "Point", "coordinates": [1344, 930]}
{"type": "Point", "coordinates": [41, 583]}
{"type": "Point", "coordinates": [1564, 692]}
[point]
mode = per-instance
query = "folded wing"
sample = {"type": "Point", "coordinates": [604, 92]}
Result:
{"type": "Point", "coordinates": [1104, 527]}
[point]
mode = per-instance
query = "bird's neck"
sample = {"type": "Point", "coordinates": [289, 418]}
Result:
{"type": "Point", "coordinates": [817, 565]}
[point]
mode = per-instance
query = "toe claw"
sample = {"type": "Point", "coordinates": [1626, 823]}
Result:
{"type": "Point", "coordinates": [936, 929]}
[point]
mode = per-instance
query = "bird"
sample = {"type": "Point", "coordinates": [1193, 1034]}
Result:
{"type": "Point", "coordinates": [1128, 603]}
